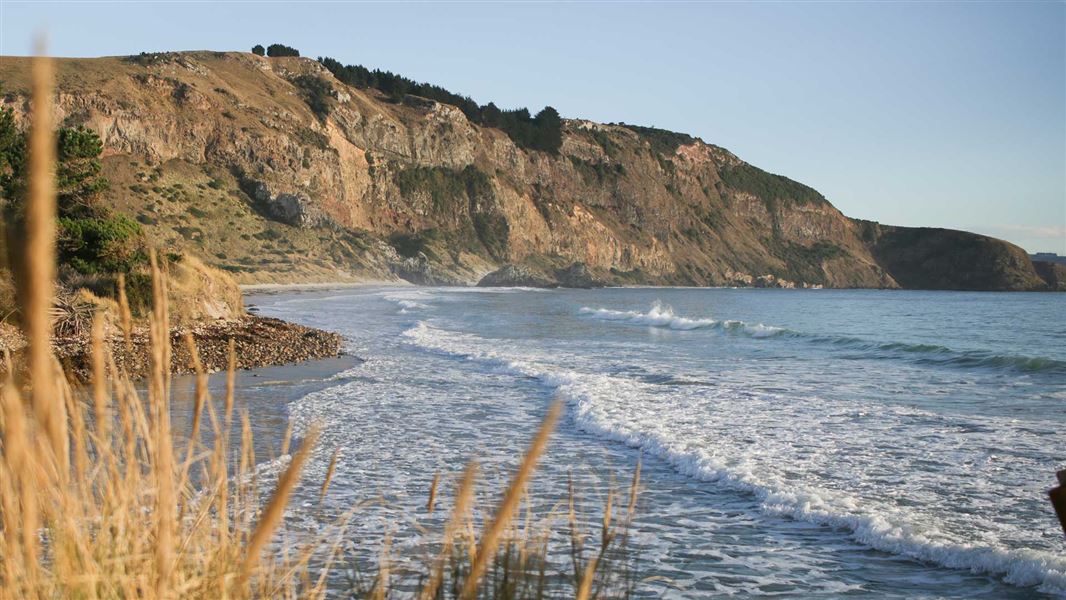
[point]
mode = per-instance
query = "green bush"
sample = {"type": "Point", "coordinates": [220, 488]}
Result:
{"type": "Point", "coordinates": [596, 171]}
{"type": "Point", "coordinates": [139, 293]}
{"type": "Point", "coordinates": [771, 189]}
{"type": "Point", "coordinates": [100, 244]}
{"type": "Point", "coordinates": [804, 263]}
{"type": "Point", "coordinates": [268, 235]}
{"type": "Point", "coordinates": [662, 141]}
{"type": "Point", "coordinates": [492, 229]}
{"type": "Point", "coordinates": [604, 141]}
{"type": "Point", "coordinates": [190, 233]}
{"type": "Point", "coordinates": [91, 238]}
{"type": "Point", "coordinates": [444, 186]}
{"type": "Point", "coordinates": [317, 93]}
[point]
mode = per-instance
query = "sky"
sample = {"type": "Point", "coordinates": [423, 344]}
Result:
{"type": "Point", "coordinates": [945, 114]}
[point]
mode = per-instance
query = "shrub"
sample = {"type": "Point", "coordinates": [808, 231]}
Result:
{"type": "Point", "coordinates": [805, 262]}
{"type": "Point", "coordinates": [596, 171]}
{"type": "Point", "coordinates": [492, 230]}
{"type": "Point", "coordinates": [662, 141]}
{"type": "Point", "coordinates": [317, 93]}
{"type": "Point", "coordinates": [91, 237]}
{"type": "Point", "coordinates": [258, 50]}
{"type": "Point", "coordinates": [268, 235]}
{"type": "Point", "coordinates": [771, 189]}
{"type": "Point", "coordinates": [443, 185]}
{"type": "Point", "coordinates": [190, 233]}
{"type": "Point", "coordinates": [95, 244]}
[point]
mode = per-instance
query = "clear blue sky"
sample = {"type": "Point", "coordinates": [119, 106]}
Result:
{"type": "Point", "coordinates": [939, 114]}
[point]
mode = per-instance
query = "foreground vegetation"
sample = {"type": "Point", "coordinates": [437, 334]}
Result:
{"type": "Point", "coordinates": [99, 498]}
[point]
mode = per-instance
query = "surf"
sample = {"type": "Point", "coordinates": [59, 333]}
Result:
{"type": "Point", "coordinates": [624, 410]}
{"type": "Point", "coordinates": [663, 316]}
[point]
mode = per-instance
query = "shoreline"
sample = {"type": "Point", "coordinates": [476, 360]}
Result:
{"type": "Point", "coordinates": [258, 341]}
{"type": "Point", "coordinates": [260, 288]}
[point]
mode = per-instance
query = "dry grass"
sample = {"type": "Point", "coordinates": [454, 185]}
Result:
{"type": "Point", "coordinates": [94, 503]}
{"type": "Point", "coordinates": [208, 293]}
{"type": "Point", "coordinates": [520, 555]}
{"type": "Point", "coordinates": [98, 500]}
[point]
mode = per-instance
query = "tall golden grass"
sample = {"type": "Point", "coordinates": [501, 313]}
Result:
{"type": "Point", "coordinates": [99, 500]}
{"type": "Point", "coordinates": [94, 502]}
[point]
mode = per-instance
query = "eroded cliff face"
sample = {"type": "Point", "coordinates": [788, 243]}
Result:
{"type": "Point", "coordinates": [221, 154]}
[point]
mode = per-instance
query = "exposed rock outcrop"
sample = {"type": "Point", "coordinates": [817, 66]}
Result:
{"type": "Point", "coordinates": [516, 276]}
{"type": "Point", "coordinates": [1053, 274]}
{"type": "Point", "coordinates": [577, 275]}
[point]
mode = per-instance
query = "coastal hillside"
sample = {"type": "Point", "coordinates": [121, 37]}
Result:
{"type": "Point", "coordinates": [277, 171]}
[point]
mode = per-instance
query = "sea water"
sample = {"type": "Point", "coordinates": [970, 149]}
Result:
{"type": "Point", "coordinates": [794, 443]}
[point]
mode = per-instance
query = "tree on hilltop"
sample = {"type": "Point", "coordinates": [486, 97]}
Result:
{"type": "Point", "coordinates": [543, 132]}
{"type": "Point", "coordinates": [258, 50]}
{"type": "Point", "coordinates": [276, 50]}
{"type": "Point", "coordinates": [547, 130]}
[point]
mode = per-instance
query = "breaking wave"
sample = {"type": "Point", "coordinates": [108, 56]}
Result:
{"type": "Point", "coordinates": [625, 410]}
{"type": "Point", "coordinates": [660, 315]}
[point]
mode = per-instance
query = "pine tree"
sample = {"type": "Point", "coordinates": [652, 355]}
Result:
{"type": "Point", "coordinates": [276, 50]}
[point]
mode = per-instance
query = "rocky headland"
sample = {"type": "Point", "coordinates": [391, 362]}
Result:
{"type": "Point", "coordinates": [276, 171]}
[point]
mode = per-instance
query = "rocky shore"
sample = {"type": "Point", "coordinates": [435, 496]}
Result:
{"type": "Point", "coordinates": [577, 275]}
{"type": "Point", "coordinates": [259, 342]}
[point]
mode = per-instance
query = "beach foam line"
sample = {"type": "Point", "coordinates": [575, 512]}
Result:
{"type": "Point", "coordinates": [660, 315]}
{"type": "Point", "coordinates": [593, 402]}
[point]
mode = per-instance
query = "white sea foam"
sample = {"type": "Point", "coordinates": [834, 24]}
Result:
{"type": "Point", "coordinates": [660, 315]}
{"type": "Point", "coordinates": [657, 316]}
{"type": "Point", "coordinates": [409, 300]}
{"type": "Point", "coordinates": [914, 483]}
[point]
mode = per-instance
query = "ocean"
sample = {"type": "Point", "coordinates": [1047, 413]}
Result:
{"type": "Point", "coordinates": [794, 443]}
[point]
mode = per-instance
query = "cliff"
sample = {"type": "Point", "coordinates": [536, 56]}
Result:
{"type": "Point", "coordinates": [930, 258]}
{"type": "Point", "coordinates": [273, 170]}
